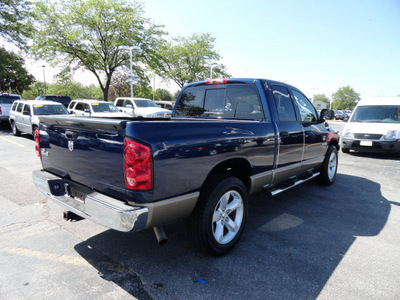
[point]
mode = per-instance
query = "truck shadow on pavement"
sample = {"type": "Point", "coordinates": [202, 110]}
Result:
{"type": "Point", "coordinates": [289, 250]}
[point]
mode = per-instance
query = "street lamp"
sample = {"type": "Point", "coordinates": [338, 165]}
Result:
{"type": "Point", "coordinates": [131, 49]}
{"type": "Point", "coordinates": [44, 80]}
{"type": "Point", "coordinates": [211, 66]}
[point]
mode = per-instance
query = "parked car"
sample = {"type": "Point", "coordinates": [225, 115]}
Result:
{"type": "Point", "coordinates": [6, 101]}
{"type": "Point", "coordinates": [64, 100]}
{"type": "Point", "coordinates": [227, 139]}
{"type": "Point", "coordinates": [374, 126]}
{"type": "Point", "coordinates": [141, 108]}
{"type": "Point", "coordinates": [24, 115]}
{"type": "Point", "coordinates": [94, 108]}
{"type": "Point", "coordinates": [339, 115]}
{"type": "Point", "coordinates": [165, 104]}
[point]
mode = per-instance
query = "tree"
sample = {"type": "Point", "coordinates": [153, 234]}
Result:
{"type": "Point", "coordinates": [345, 98]}
{"type": "Point", "coordinates": [13, 74]}
{"type": "Point", "coordinates": [73, 89]}
{"type": "Point", "coordinates": [321, 97]}
{"type": "Point", "coordinates": [185, 59]}
{"type": "Point", "coordinates": [15, 20]}
{"type": "Point", "coordinates": [87, 34]}
{"type": "Point", "coordinates": [163, 94]}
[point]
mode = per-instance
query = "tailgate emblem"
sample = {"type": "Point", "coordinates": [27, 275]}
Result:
{"type": "Point", "coordinates": [71, 145]}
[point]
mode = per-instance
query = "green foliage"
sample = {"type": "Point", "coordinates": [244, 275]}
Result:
{"type": "Point", "coordinates": [87, 34]}
{"type": "Point", "coordinates": [13, 73]}
{"type": "Point", "coordinates": [185, 59]}
{"type": "Point", "coordinates": [345, 98]}
{"type": "Point", "coordinates": [142, 90]}
{"type": "Point", "coordinates": [73, 89]}
{"type": "Point", "coordinates": [321, 97]}
{"type": "Point", "coordinates": [15, 21]}
{"type": "Point", "coordinates": [163, 94]}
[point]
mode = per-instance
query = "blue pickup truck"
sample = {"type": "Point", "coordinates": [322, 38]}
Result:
{"type": "Point", "coordinates": [226, 139]}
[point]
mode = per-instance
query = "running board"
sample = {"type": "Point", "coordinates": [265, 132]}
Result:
{"type": "Point", "coordinates": [278, 191]}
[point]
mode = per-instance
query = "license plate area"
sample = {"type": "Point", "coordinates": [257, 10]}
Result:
{"type": "Point", "coordinates": [366, 143]}
{"type": "Point", "coordinates": [77, 193]}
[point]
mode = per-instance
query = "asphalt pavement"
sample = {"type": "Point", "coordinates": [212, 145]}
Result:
{"type": "Point", "coordinates": [336, 242]}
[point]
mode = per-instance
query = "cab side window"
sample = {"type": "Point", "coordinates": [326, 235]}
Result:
{"type": "Point", "coordinates": [284, 104]}
{"type": "Point", "coordinates": [120, 102]}
{"type": "Point", "coordinates": [19, 108]}
{"type": "Point", "coordinates": [79, 106]}
{"type": "Point", "coordinates": [27, 109]}
{"type": "Point", "coordinates": [307, 110]}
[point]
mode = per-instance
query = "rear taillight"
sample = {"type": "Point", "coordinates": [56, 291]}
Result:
{"type": "Point", "coordinates": [216, 81]}
{"type": "Point", "coordinates": [137, 166]}
{"type": "Point", "coordinates": [36, 137]}
{"type": "Point", "coordinates": [1, 111]}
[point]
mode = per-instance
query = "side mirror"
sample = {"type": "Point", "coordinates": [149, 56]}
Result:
{"type": "Point", "coordinates": [129, 106]}
{"type": "Point", "coordinates": [86, 110]}
{"type": "Point", "coordinates": [26, 113]}
{"type": "Point", "coordinates": [326, 114]}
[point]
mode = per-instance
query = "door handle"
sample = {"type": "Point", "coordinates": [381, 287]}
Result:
{"type": "Point", "coordinates": [284, 134]}
{"type": "Point", "coordinates": [71, 135]}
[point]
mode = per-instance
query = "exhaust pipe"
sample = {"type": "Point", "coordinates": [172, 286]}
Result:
{"type": "Point", "coordinates": [160, 235]}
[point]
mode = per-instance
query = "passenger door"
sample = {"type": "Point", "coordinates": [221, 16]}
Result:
{"type": "Point", "coordinates": [315, 133]}
{"type": "Point", "coordinates": [290, 135]}
{"type": "Point", "coordinates": [26, 119]}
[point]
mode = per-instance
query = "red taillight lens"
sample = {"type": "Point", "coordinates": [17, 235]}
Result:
{"type": "Point", "coordinates": [216, 81]}
{"type": "Point", "coordinates": [137, 166]}
{"type": "Point", "coordinates": [36, 137]}
{"type": "Point", "coordinates": [329, 136]}
{"type": "Point", "coordinates": [1, 111]}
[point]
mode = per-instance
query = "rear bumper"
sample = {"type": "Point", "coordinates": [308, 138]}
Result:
{"type": "Point", "coordinates": [94, 206]}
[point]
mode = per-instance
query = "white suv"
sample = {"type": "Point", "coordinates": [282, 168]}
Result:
{"type": "Point", "coordinates": [141, 108]}
{"type": "Point", "coordinates": [24, 115]}
{"type": "Point", "coordinates": [94, 108]}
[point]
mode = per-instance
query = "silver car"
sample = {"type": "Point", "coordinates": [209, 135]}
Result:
{"type": "Point", "coordinates": [24, 115]}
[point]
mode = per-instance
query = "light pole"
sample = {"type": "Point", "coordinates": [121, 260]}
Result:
{"type": "Point", "coordinates": [44, 80]}
{"type": "Point", "coordinates": [131, 49]}
{"type": "Point", "coordinates": [211, 66]}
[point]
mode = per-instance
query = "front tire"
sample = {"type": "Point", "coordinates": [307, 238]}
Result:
{"type": "Point", "coordinates": [329, 167]}
{"type": "Point", "coordinates": [219, 217]}
{"type": "Point", "coordinates": [345, 150]}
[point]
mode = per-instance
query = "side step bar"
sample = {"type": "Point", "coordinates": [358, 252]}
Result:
{"type": "Point", "coordinates": [278, 191]}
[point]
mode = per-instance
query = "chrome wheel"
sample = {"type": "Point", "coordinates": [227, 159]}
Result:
{"type": "Point", "coordinates": [228, 217]}
{"type": "Point", "coordinates": [332, 166]}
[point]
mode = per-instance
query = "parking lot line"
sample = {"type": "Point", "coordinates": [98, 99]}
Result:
{"type": "Point", "coordinates": [10, 141]}
{"type": "Point", "coordinates": [48, 256]}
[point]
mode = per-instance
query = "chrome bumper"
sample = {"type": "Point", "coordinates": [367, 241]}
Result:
{"type": "Point", "coordinates": [94, 206]}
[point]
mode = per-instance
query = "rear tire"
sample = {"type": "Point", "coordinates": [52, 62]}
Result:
{"type": "Point", "coordinates": [220, 215]}
{"type": "Point", "coordinates": [15, 130]}
{"type": "Point", "coordinates": [329, 167]}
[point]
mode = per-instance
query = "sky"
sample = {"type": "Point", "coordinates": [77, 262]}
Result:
{"type": "Point", "coordinates": [317, 46]}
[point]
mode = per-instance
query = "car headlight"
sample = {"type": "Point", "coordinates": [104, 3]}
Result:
{"type": "Point", "coordinates": [151, 115]}
{"type": "Point", "coordinates": [392, 135]}
{"type": "Point", "coordinates": [348, 133]}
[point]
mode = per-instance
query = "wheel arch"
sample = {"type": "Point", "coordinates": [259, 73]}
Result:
{"type": "Point", "coordinates": [235, 167]}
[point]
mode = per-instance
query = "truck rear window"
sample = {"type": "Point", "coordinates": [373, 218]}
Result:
{"type": "Point", "coordinates": [224, 101]}
{"type": "Point", "coordinates": [8, 99]}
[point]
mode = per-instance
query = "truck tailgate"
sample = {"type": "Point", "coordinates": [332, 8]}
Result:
{"type": "Point", "coordinates": [85, 150]}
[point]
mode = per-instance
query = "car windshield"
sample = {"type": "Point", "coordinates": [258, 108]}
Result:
{"type": "Point", "coordinates": [377, 113]}
{"type": "Point", "coordinates": [145, 103]}
{"type": "Point", "coordinates": [8, 99]}
{"type": "Point", "coordinates": [104, 107]}
{"type": "Point", "coordinates": [49, 109]}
